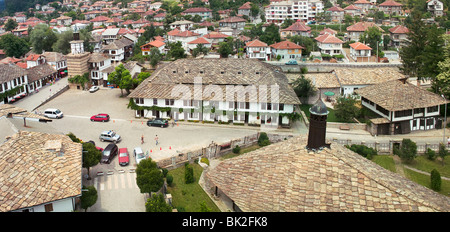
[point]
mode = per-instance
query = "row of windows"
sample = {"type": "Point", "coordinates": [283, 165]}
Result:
{"type": "Point", "coordinates": [231, 105]}
{"type": "Point", "coordinates": [15, 82]}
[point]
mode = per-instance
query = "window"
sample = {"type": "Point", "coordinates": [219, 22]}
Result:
{"type": "Point", "coordinates": [432, 109]}
{"type": "Point", "coordinates": [155, 101]}
{"type": "Point", "coordinates": [139, 100]}
{"type": "Point", "coordinates": [281, 107]}
{"type": "Point", "coordinates": [419, 111]}
{"type": "Point", "coordinates": [403, 113]}
{"type": "Point", "coordinates": [263, 106]}
{"type": "Point", "coordinates": [48, 207]}
{"type": "Point", "coordinates": [170, 102]}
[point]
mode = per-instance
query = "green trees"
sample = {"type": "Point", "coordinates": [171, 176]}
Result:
{"type": "Point", "coordinates": [304, 88]}
{"type": "Point", "coordinates": [13, 45]}
{"type": "Point", "coordinates": [122, 78]}
{"type": "Point", "coordinates": [148, 177]}
{"type": "Point", "coordinates": [82, 80]}
{"type": "Point", "coordinates": [91, 157]}
{"type": "Point", "coordinates": [443, 152]}
{"type": "Point", "coordinates": [225, 49]}
{"type": "Point", "coordinates": [188, 174]}
{"type": "Point", "coordinates": [435, 180]}
{"type": "Point", "coordinates": [407, 151]}
{"type": "Point", "coordinates": [345, 109]}
{"type": "Point", "coordinates": [263, 139]}
{"type": "Point", "coordinates": [88, 197]}
{"type": "Point", "coordinates": [308, 43]}
{"type": "Point", "coordinates": [10, 25]}
{"type": "Point", "coordinates": [157, 204]}
{"type": "Point", "coordinates": [42, 38]}
{"type": "Point", "coordinates": [442, 81]}
{"type": "Point", "coordinates": [372, 37]}
{"type": "Point", "coordinates": [200, 49]}
{"type": "Point", "coordinates": [176, 50]}
{"type": "Point", "coordinates": [271, 35]}
{"type": "Point", "coordinates": [62, 44]}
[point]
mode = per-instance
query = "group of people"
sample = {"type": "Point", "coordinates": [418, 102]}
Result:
{"type": "Point", "coordinates": [156, 139]}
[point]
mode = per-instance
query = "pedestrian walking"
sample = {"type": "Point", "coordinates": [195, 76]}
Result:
{"type": "Point", "coordinates": [156, 139]}
{"type": "Point", "coordinates": [142, 139]}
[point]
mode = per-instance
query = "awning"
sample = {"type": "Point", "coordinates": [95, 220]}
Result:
{"type": "Point", "coordinates": [329, 93]}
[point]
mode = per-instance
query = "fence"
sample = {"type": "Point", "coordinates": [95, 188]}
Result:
{"type": "Point", "coordinates": [388, 147]}
{"type": "Point", "coordinates": [215, 150]}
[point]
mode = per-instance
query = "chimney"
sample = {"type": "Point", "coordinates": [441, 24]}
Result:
{"type": "Point", "coordinates": [317, 126]}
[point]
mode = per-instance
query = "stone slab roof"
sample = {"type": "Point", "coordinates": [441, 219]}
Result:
{"type": "Point", "coordinates": [285, 177]}
{"type": "Point", "coordinates": [396, 95]}
{"type": "Point", "coordinates": [10, 71]}
{"type": "Point", "coordinates": [41, 71]}
{"type": "Point", "coordinates": [33, 172]}
{"type": "Point", "coordinates": [219, 72]}
{"type": "Point", "coordinates": [367, 76]}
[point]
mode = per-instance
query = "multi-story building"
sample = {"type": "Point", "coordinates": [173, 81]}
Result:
{"type": "Point", "coordinates": [435, 7]}
{"type": "Point", "coordinates": [329, 44]}
{"type": "Point", "coordinates": [12, 77]}
{"type": "Point", "coordinates": [303, 10]}
{"type": "Point", "coordinates": [205, 13]}
{"type": "Point", "coordinates": [257, 50]}
{"type": "Point", "coordinates": [224, 90]}
{"type": "Point", "coordinates": [399, 35]}
{"type": "Point", "coordinates": [298, 28]}
{"type": "Point", "coordinates": [286, 50]}
{"type": "Point", "coordinates": [98, 62]}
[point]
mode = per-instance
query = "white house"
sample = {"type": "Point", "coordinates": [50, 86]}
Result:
{"type": "Point", "coordinates": [257, 50]}
{"type": "Point", "coordinates": [98, 62]}
{"type": "Point", "coordinates": [329, 44]}
{"type": "Point", "coordinates": [223, 90]}
{"type": "Point", "coordinates": [182, 25]}
{"type": "Point", "coordinates": [360, 52]}
{"type": "Point", "coordinates": [12, 76]}
{"type": "Point", "coordinates": [435, 7]}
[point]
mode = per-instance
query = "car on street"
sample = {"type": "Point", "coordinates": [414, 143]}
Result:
{"type": "Point", "coordinates": [138, 154]}
{"type": "Point", "coordinates": [292, 62]}
{"type": "Point", "coordinates": [100, 118]}
{"type": "Point", "coordinates": [110, 136]}
{"type": "Point", "coordinates": [158, 122]}
{"type": "Point", "coordinates": [108, 154]}
{"type": "Point", "coordinates": [53, 113]}
{"type": "Point", "coordinates": [93, 89]}
{"type": "Point", "coordinates": [124, 156]}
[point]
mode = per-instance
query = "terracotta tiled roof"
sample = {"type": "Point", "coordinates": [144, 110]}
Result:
{"type": "Point", "coordinates": [215, 35]}
{"type": "Point", "coordinates": [173, 32]}
{"type": "Point", "coordinates": [363, 26]}
{"type": "Point", "coordinates": [297, 26]}
{"type": "Point", "coordinates": [154, 43]}
{"type": "Point", "coordinates": [360, 46]}
{"type": "Point", "coordinates": [32, 57]}
{"type": "Point", "coordinates": [399, 29]}
{"type": "Point", "coordinates": [100, 18]}
{"type": "Point", "coordinates": [187, 34]}
{"type": "Point", "coordinates": [390, 3]}
{"type": "Point", "coordinates": [256, 43]}
{"type": "Point", "coordinates": [286, 45]}
{"type": "Point", "coordinates": [335, 8]}
{"type": "Point", "coordinates": [328, 31]}
{"type": "Point", "coordinates": [233, 19]}
{"type": "Point", "coordinates": [396, 95]}
{"type": "Point", "coordinates": [286, 177]}
{"type": "Point", "coordinates": [197, 10]}
{"type": "Point", "coordinates": [38, 168]}
{"type": "Point", "coordinates": [246, 6]}
{"type": "Point", "coordinates": [329, 39]}
{"type": "Point", "coordinates": [200, 40]}
{"type": "Point", "coordinates": [351, 7]}
{"type": "Point", "coordinates": [361, 2]}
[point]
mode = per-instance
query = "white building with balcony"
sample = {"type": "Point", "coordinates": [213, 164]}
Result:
{"type": "Point", "coordinates": [303, 10]}
{"type": "Point", "coordinates": [257, 50]}
{"type": "Point", "coordinates": [238, 91]}
{"type": "Point", "coordinates": [98, 63]}
{"type": "Point", "coordinates": [360, 52]}
{"type": "Point", "coordinates": [329, 44]}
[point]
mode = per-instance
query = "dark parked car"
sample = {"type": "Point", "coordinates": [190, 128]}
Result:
{"type": "Point", "coordinates": [109, 152]}
{"type": "Point", "coordinates": [158, 122]}
{"type": "Point", "coordinates": [100, 118]}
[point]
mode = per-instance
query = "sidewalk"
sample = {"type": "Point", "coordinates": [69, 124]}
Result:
{"type": "Point", "coordinates": [35, 99]}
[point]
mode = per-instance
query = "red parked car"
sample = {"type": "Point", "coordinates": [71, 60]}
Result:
{"type": "Point", "coordinates": [100, 118]}
{"type": "Point", "coordinates": [124, 156]}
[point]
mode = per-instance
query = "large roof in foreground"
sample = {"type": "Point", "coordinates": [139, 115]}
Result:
{"type": "Point", "coordinates": [221, 73]}
{"type": "Point", "coordinates": [286, 177]}
{"type": "Point", "coordinates": [37, 168]}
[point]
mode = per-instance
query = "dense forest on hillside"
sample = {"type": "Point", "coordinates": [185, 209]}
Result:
{"type": "Point", "coordinates": [22, 5]}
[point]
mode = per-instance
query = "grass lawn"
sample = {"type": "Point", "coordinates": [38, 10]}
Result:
{"type": "Point", "coordinates": [424, 164]}
{"type": "Point", "coordinates": [242, 151]}
{"type": "Point", "coordinates": [425, 180]}
{"type": "Point", "coordinates": [331, 117]}
{"type": "Point", "coordinates": [385, 161]}
{"type": "Point", "coordinates": [187, 197]}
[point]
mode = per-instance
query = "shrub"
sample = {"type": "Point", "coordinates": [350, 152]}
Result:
{"type": "Point", "coordinates": [236, 149]}
{"type": "Point", "coordinates": [164, 172]}
{"type": "Point", "coordinates": [435, 180]}
{"type": "Point", "coordinates": [363, 150]}
{"type": "Point", "coordinates": [408, 150]}
{"type": "Point", "coordinates": [169, 179]}
{"type": "Point", "coordinates": [431, 155]}
{"type": "Point", "coordinates": [188, 174]}
{"type": "Point", "coordinates": [263, 139]}
{"type": "Point", "coordinates": [205, 160]}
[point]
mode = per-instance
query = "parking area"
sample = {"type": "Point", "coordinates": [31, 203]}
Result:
{"type": "Point", "coordinates": [116, 184]}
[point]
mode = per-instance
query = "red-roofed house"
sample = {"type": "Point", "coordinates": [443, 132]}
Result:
{"type": "Point", "coordinates": [357, 29]}
{"type": "Point", "coordinates": [193, 44]}
{"type": "Point", "coordinates": [353, 10]}
{"type": "Point", "coordinates": [391, 7]}
{"type": "Point", "coordinates": [336, 13]}
{"type": "Point", "coordinates": [34, 60]}
{"type": "Point", "coordinates": [205, 13]}
{"type": "Point", "coordinates": [298, 28]}
{"type": "Point", "coordinates": [286, 50]}
{"type": "Point", "coordinates": [182, 36]}
{"type": "Point", "coordinates": [360, 52]}
{"type": "Point", "coordinates": [329, 44]}
{"type": "Point", "coordinates": [364, 5]}
{"type": "Point", "coordinates": [245, 9]}
{"type": "Point", "coordinates": [398, 35]}
{"type": "Point", "coordinates": [257, 50]}
{"type": "Point", "coordinates": [233, 22]}
{"type": "Point", "coordinates": [215, 37]}
{"type": "Point", "coordinates": [99, 20]}
{"type": "Point", "coordinates": [153, 44]}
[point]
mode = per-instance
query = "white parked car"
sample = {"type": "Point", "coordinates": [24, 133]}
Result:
{"type": "Point", "coordinates": [138, 154]}
{"type": "Point", "coordinates": [110, 136]}
{"type": "Point", "coordinates": [53, 113]}
{"type": "Point", "coordinates": [93, 89]}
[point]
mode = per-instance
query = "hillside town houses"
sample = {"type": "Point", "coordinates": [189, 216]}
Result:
{"type": "Point", "coordinates": [244, 69]}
